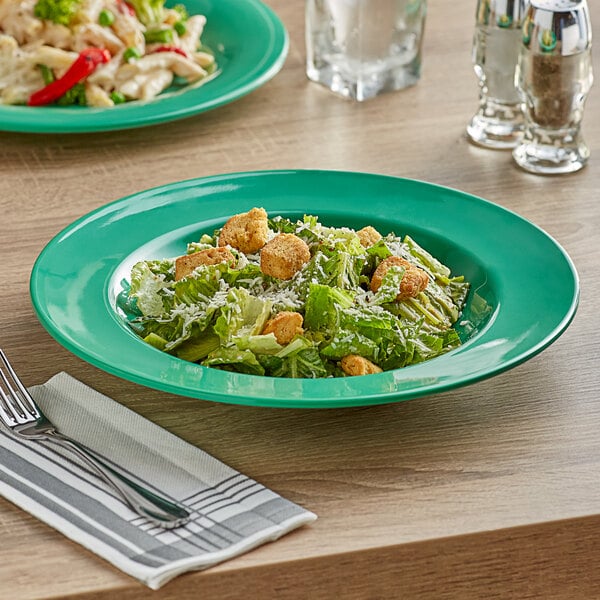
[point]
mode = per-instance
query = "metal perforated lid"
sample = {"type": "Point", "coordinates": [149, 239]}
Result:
{"type": "Point", "coordinates": [506, 14]}
{"type": "Point", "coordinates": [557, 27]}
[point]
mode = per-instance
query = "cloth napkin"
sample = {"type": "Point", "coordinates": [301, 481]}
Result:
{"type": "Point", "coordinates": [231, 513]}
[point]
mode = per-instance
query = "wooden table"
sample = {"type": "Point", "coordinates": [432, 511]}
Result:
{"type": "Point", "coordinates": [491, 491]}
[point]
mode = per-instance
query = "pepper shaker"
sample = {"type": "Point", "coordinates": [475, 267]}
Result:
{"type": "Point", "coordinates": [498, 122]}
{"type": "Point", "coordinates": [554, 76]}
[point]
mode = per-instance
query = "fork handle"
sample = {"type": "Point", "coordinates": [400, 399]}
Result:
{"type": "Point", "coordinates": [158, 510]}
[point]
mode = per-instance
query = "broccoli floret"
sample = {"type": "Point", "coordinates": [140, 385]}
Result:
{"type": "Point", "coordinates": [59, 11]}
{"type": "Point", "coordinates": [149, 12]}
{"type": "Point", "coordinates": [74, 97]}
{"type": "Point", "coordinates": [182, 10]}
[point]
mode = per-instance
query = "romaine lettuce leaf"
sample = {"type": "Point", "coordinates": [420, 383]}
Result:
{"type": "Point", "coordinates": [323, 307]}
{"type": "Point", "coordinates": [148, 280]}
{"type": "Point", "coordinates": [198, 347]}
{"type": "Point", "coordinates": [242, 315]}
{"type": "Point", "coordinates": [374, 334]}
{"type": "Point", "coordinates": [427, 260]}
{"type": "Point", "coordinates": [390, 286]}
{"type": "Point", "coordinates": [379, 250]}
{"type": "Point", "coordinates": [169, 329]}
{"type": "Point", "coordinates": [298, 359]}
{"type": "Point", "coordinates": [336, 269]}
{"type": "Point", "coordinates": [350, 342]}
{"type": "Point", "coordinates": [200, 287]}
{"type": "Point", "coordinates": [231, 358]}
{"type": "Point", "coordinates": [259, 344]}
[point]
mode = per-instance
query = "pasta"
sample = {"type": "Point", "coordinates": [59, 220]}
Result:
{"type": "Point", "coordinates": [149, 48]}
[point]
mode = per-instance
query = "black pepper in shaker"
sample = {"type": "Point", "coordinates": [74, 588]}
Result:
{"type": "Point", "coordinates": [554, 76]}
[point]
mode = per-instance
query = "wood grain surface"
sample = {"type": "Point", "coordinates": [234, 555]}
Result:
{"type": "Point", "coordinates": [490, 491]}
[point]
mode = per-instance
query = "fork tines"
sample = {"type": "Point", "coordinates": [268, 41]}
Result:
{"type": "Point", "coordinates": [16, 404]}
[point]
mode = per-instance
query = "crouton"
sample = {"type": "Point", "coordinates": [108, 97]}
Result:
{"type": "Point", "coordinates": [357, 365]}
{"type": "Point", "coordinates": [285, 325]}
{"type": "Point", "coordinates": [414, 280]}
{"type": "Point", "coordinates": [368, 236]}
{"type": "Point", "coordinates": [247, 232]}
{"type": "Point", "coordinates": [284, 256]}
{"type": "Point", "coordinates": [184, 265]}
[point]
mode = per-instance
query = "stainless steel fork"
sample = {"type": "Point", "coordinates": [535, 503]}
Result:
{"type": "Point", "coordinates": [21, 416]}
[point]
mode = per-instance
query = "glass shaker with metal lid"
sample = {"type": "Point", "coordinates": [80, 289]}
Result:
{"type": "Point", "coordinates": [498, 122]}
{"type": "Point", "coordinates": [554, 75]}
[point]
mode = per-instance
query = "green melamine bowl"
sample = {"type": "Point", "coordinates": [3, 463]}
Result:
{"type": "Point", "coordinates": [250, 45]}
{"type": "Point", "coordinates": [524, 292]}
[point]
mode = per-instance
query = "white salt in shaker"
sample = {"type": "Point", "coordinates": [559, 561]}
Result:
{"type": "Point", "coordinates": [498, 122]}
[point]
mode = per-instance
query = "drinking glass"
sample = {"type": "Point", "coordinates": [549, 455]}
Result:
{"type": "Point", "coordinates": [362, 48]}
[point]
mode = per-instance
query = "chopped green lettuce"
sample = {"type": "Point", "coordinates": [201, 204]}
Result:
{"type": "Point", "coordinates": [259, 344]}
{"type": "Point", "coordinates": [242, 315]}
{"type": "Point", "coordinates": [390, 284]}
{"type": "Point", "coordinates": [426, 259]}
{"type": "Point", "coordinates": [300, 359]}
{"type": "Point", "coordinates": [198, 347]}
{"type": "Point", "coordinates": [232, 358]}
{"type": "Point", "coordinates": [148, 280]}
{"type": "Point", "coordinates": [216, 315]}
{"type": "Point", "coordinates": [324, 305]}
{"type": "Point", "coordinates": [149, 12]}
{"type": "Point", "coordinates": [58, 11]}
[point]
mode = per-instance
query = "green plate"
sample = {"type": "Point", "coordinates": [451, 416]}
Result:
{"type": "Point", "coordinates": [524, 278]}
{"type": "Point", "coordinates": [250, 45]}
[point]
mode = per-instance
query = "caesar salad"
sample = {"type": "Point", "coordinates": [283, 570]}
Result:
{"type": "Point", "coordinates": [277, 297]}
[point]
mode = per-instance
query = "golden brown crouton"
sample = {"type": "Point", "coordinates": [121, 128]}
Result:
{"type": "Point", "coordinates": [357, 365]}
{"type": "Point", "coordinates": [413, 282]}
{"type": "Point", "coordinates": [285, 325]}
{"type": "Point", "coordinates": [246, 232]}
{"type": "Point", "coordinates": [184, 265]}
{"type": "Point", "coordinates": [284, 256]}
{"type": "Point", "coordinates": [368, 236]}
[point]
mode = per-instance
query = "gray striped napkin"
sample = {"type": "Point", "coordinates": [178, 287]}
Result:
{"type": "Point", "coordinates": [231, 513]}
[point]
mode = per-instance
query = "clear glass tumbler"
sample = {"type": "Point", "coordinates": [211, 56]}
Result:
{"type": "Point", "coordinates": [362, 48]}
{"type": "Point", "coordinates": [498, 122]}
{"type": "Point", "coordinates": [554, 74]}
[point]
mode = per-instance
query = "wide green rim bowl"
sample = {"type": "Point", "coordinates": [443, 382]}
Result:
{"type": "Point", "coordinates": [250, 45]}
{"type": "Point", "coordinates": [524, 278]}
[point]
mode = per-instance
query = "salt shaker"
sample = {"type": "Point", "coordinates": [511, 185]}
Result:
{"type": "Point", "coordinates": [498, 122]}
{"type": "Point", "coordinates": [554, 76]}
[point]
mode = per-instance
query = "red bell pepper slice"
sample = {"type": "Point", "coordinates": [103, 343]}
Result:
{"type": "Point", "coordinates": [85, 64]}
{"type": "Point", "coordinates": [171, 49]}
{"type": "Point", "coordinates": [126, 8]}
